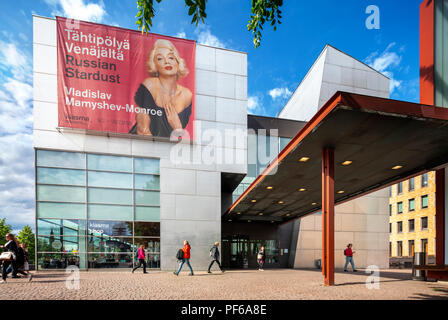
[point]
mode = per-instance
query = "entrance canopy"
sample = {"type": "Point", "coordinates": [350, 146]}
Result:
{"type": "Point", "coordinates": [376, 142]}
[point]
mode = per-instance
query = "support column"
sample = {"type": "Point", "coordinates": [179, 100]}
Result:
{"type": "Point", "coordinates": [328, 215]}
{"type": "Point", "coordinates": [440, 217]}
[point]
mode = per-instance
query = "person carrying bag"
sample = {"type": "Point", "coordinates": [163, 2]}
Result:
{"type": "Point", "coordinates": [10, 257]}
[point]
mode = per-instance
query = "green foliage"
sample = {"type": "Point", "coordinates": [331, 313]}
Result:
{"type": "Point", "coordinates": [4, 229]}
{"type": "Point", "coordinates": [27, 236]}
{"type": "Point", "coordinates": [262, 11]}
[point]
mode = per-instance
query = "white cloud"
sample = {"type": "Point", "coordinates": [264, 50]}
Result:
{"type": "Point", "coordinates": [205, 37]}
{"type": "Point", "coordinates": [253, 103]}
{"type": "Point", "coordinates": [385, 63]}
{"type": "Point", "coordinates": [181, 34]}
{"type": "Point", "coordinates": [78, 9]}
{"type": "Point", "coordinates": [281, 93]}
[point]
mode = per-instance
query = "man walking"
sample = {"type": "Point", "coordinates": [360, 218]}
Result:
{"type": "Point", "coordinates": [348, 253]}
{"type": "Point", "coordinates": [214, 256]}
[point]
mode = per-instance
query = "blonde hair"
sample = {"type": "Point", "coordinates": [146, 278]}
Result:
{"type": "Point", "coordinates": [151, 66]}
{"type": "Point", "coordinates": [216, 243]}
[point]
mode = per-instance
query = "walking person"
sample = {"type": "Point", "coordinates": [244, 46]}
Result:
{"type": "Point", "coordinates": [260, 258]}
{"type": "Point", "coordinates": [21, 259]}
{"type": "Point", "coordinates": [186, 259]}
{"type": "Point", "coordinates": [141, 259]}
{"type": "Point", "coordinates": [214, 255]}
{"type": "Point", "coordinates": [10, 246]}
{"type": "Point", "coordinates": [348, 253]}
{"type": "Point", "coordinates": [26, 266]}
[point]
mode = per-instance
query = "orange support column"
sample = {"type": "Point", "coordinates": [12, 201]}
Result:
{"type": "Point", "coordinates": [440, 217]}
{"type": "Point", "coordinates": [328, 215]}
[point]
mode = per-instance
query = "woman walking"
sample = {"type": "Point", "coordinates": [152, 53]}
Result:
{"type": "Point", "coordinates": [260, 258]}
{"type": "Point", "coordinates": [348, 253]}
{"type": "Point", "coordinates": [10, 246]}
{"type": "Point", "coordinates": [186, 259]}
{"type": "Point", "coordinates": [141, 259]}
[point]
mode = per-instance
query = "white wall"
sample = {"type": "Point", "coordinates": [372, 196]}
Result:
{"type": "Point", "coordinates": [190, 193]}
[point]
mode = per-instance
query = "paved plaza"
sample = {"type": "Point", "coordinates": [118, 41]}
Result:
{"type": "Point", "coordinates": [275, 284]}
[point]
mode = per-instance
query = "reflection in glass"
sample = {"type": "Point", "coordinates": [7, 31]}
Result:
{"type": "Point", "coordinates": [61, 210]}
{"type": "Point", "coordinates": [109, 244]}
{"type": "Point", "coordinates": [148, 198]}
{"type": "Point", "coordinates": [109, 179]}
{"type": "Point", "coordinates": [58, 227]}
{"type": "Point", "coordinates": [61, 244]}
{"type": "Point", "coordinates": [150, 166]}
{"type": "Point", "coordinates": [110, 228]}
{"type": "Point", "coordinates": [58, 261]}
{"type": "Point", "coordinates": [59, 193]}
{"type": "Point", "coordinates": [109, 163]}
{"type": "Point", "coordinates": [147, 229]}
{"type": "Point", "coordinates": [147, 182]}
{"type": "Point", "coordinates": [110, 260]}
{"type": "Point", "coordinates": [60, 159]}
{"type": "Point", "coordinates": [111, 196]}
{"type": "Point", "coordinates": [61, 176]}
{"type": "Point", "coordinates": [104, 212]}
{"type": "Point", "coordinates": [151, 214]}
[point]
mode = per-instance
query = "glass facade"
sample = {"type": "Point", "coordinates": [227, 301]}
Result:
{"type": "Point", "coordinates": [94, 210]}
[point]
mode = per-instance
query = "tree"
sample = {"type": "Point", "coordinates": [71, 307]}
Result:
{"type": "Point", "coordinates": [4, 229]}
{"type": "Point", "coordinates": [27, 236]}
{"type": "Point", "coordinates": [262, 11]}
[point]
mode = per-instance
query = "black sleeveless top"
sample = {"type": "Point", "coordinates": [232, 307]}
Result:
{"type": "Point", "coordinates": [159, 126]}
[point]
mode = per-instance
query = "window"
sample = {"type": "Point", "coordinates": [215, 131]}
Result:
{"type": "Point", "coordinates": [411, 204]}
{"type": "Point", "coordinates": [400, 207]}
{"type": "Point", "coordinates": [400, 226]}
{"type": "Point", "coordinates": [390, 210]}
{"type": "Point", "coordinates": [424, 223]}
{"type": "Point", "coordinates": [399, 248]}
{"type": "Point", "coordinates": [411, 248]}
{"type": "Point", "coordinates": [390, 227]}
{"type": "Point", "coordinates": [411, 184]}
{"type": "Point", "coordinates": [390, 191]}
{"type": "Point", "coordinates": [400, 188]}
{"type": "Point", "coordinates": [424, 244]}
{"type": "Point", "coordinates": [390, 249]}
{"type": "Point", "coordinates": [424, 201]}
{"type": "Point", "coordinates": [424, 180]}
{"type": "Point", "coordinates": [411, 225]}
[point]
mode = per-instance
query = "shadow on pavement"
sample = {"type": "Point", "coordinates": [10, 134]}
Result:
{"type": "Point", "coordinates": [425, 296]}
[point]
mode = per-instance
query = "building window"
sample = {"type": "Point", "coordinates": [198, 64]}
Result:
{"type": "Point", "coordinates": [94, 211]}
{"type": "Point", "coordinates": [390, 210]}
{"type": "Point", "coordinates": [390, 227]}
{"type": "Point", "coordinates": [400, 188]}
{"type": "Point", "coordinates": [399, 226]}
{"type": "Point", "coordinates": [411, 184]}
{"type": "Point", "coordinates": [411, 246]}
{"type": "Point", "coordinates": [424, 223]}
{"type": "Point", "coordinates": [424, 201]}
{"type": "Point", "coordinates": [390, 249]}
{"type": "Point", "coordinates": [399, 248]}
{"type": "Point", "coordinates": [411, 204]}
{"type": "Point", "coordinates": [390, 191]}
{"type": "Point", "coordinates": [411, 225]}
{"type": "Point", "coordinates": [424, 244]}
{"type": "Point", "coordinates": [424, 180]}
{"type": "Point", "coordinates": [400, 207]}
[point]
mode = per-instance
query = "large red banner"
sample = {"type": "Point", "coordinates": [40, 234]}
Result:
{"type": "Point", "coordinates": [117, 80]}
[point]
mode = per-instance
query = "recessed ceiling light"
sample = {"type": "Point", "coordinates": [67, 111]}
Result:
{"type": "Point", "coordinates": [341, 191]}
{"type": "Point", "coordinates": [269, 187]}
{"type": "Point", "coordinates": [272, 221]}
{"type": "Point", "coordinates": [304, 159]}
{"type": "Point", "coordinates": [238, 213]}
{"type": "Point", "coordinates": [249, 220]}
{"type": "Point", "coordinates": [288, 214]}
{"type": "Point", "coordinates": [253, 200]}
{"type": "Point", "coordinates": [314, 203]}
{"type": "Point", "coordinates": [397, 167]}
{"type": "Point", "coordinates": [260, 214]}
{"type": "Point", "coordinates": [302, 189]}
{"type": "Point", "coordinates": [230, 220]}
{"type": "Point", "coordinates": [347, 163]}
{"type": "Point", "coordinates": [281, 202]}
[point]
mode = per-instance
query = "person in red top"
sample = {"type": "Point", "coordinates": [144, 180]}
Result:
{"type": "Point", "coordinates": [186, 259]}
{"type": "Point", "coordinates": [348, 253]}
{"type": "Point", "coordinates": [141, 255]}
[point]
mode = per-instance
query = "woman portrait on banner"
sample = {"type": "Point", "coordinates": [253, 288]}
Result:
{"type": "Point", "coordinates": [168, 104]}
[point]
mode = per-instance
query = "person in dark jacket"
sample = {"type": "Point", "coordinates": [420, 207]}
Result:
{"type": "Point", "coordinates": [21, 259]}
{"type": "Point", "coordinates": [260, 258]}
{"type": "Point", "coordinates": [214, 256]}
{"type": "Point", "coordinates": [186, 259]}
{"type": "Point", "coordinates": [10, 246]}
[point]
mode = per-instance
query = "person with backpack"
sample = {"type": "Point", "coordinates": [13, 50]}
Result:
{"type": "Point", "coordinates": [348, 253]}
{"type": "Point", "coordinates": [10, 246]}
{"type": "Point", "coordinates": [214, 255]}
{"type": "Point", "coordinates": [260, 258]}
{"type": "Point", "coordinates": [22, 257]}
{"type": "Point", "coordinates": [184, 257]}
{"type": "Point", "coordinates": [141, 255]}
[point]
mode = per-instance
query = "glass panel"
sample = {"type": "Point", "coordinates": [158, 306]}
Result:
{"type": "Point", "coordinates": [59, 261]}
{"type": "Point", "coordinates": [400, 207]}
{"type": "Point", "coordinates": [110, 260]}
{"type": "Point", "coordinates": [108, 179]}
{"type": "Point", "coordinates": [104, 212]}
{"type": "Point", "coordinates": [60, 159]}
{"type": "Point", "coordinates": [149, 198]}
{"type": "Point", "coordinates": [65, 227]}
{"type": "Point", "coordinates": [61, 210]}
{"type": "Point", "coordinates": [147, 182]}
{"type": "Point", "coordinates": [111, 196]}
{"type": "Point", "coordinates": [424, 201]}
{"type": "Point", "coordinates": [61, 244]}
{"type": "Point", "coordinates": [146, 166]}
{"type": "Point", "coordinates": [109, 163]}
{"type": "Point", "coordinates": [110, 228]}
{"type": "Point", "coordinates": [61, 176]}
{"type": "Point", "coordinates": [110, 244]}
{"type": "Point", "coordinates": [65, 194]}
{"type": "Point", "coordinates": [147, 213]}
{"type": "Point", "coordinates": [411, 205]}
{"type": "Point", "coordinates": [152, 251]}
{"type": "Point", "coordinates": [147, 229]}
{"type": "Point", "coordinates": [284, 142]}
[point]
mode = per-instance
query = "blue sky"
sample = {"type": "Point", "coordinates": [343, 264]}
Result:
{"type": "Point", "coordinates": [274, 70]}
